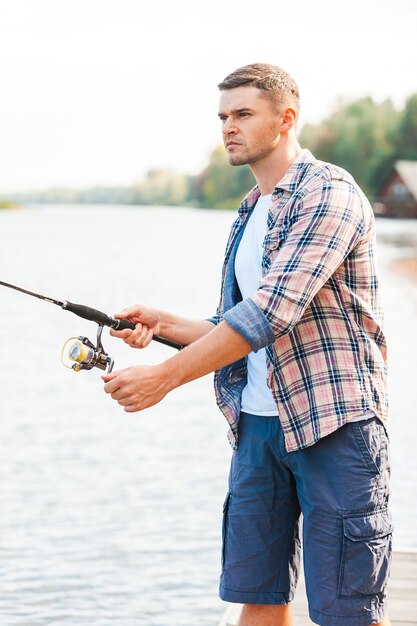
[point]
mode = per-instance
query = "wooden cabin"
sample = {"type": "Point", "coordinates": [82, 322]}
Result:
{"type": "Point", "coordinates": [398, 196]}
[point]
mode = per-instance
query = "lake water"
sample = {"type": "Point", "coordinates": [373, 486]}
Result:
{"type": "Point", "coordinates": [108, 518]}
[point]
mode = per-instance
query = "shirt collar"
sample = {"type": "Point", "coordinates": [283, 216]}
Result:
{"type": "Point", "coordinates": [288, 182]}
{"type": "Point", "coordinates": [292, 176]}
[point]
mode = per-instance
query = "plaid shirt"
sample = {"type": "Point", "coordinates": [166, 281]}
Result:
{"type": "Point", "coordinates": [317, 309]}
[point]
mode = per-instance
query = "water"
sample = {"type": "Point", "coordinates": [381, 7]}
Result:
{"type": "Point", "coordinates": [108, 518]}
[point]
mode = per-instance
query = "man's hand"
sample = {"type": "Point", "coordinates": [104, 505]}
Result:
{"type": "Point", "coordinates": [147, 322]}
{"type": "Point", "coordinates": [137, 388]}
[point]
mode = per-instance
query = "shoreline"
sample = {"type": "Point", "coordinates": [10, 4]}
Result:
{"type": "Point", "coordinates": [5, 205]}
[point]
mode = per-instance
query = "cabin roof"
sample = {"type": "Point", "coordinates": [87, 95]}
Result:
{"type": "Point", "coordinates": [408, 172]}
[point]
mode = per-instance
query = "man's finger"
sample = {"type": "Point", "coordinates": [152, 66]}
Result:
{"type": "Point", "coordinates": [121, 334]}
{"type": "Point", "coordinates": [136, 336]}
{"type": "Point", "coordinates": [112, 381]}
{"type": "Point", "coordinates": [148, 339]}
{"type": "Point", "coordinates": [129, 311]}
{"type": "Point", "coordinates": [108, 376]}
{"type": "Point", "coordinates": [112, 386]}
{"type": "Point", "coordinates": [122, 400]}
{"type": "Point", "coordinates": [119, 394]}
{"type": "Point", "coordinates": [132, 408]}
{"type": "Point", "coordinates": [142, 336]}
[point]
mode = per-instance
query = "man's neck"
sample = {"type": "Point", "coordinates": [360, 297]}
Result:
{"type": "Point", "coordinates": [269, 172]}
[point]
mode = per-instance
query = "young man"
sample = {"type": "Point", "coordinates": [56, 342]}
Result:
{"type": "Point", "coordinates": [300, 362]}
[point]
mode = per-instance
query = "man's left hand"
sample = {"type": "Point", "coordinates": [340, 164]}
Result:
{"type": "Point", "coordinates": [137, 388]}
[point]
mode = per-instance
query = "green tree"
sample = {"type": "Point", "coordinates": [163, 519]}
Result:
{"type": "Point", "coordinates": [161, 187]}
{"type": "Point", "coordinates": [406, 137]}
{"type": "Point", "coordinates": [358, 136]}
{"type": "Point", "coordinates": [220, 185]}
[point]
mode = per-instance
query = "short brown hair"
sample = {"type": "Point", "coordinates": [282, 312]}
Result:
{"type": "Point", "coordinates": [278, 86]}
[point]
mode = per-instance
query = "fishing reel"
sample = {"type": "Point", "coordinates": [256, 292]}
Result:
{"type": "Point", "coordinates": [79, 353]}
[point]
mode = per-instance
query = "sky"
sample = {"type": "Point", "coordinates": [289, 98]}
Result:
{"type": "Point", "coordinates": [98, 92]}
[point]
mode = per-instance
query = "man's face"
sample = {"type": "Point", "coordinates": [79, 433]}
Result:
{"type": "Point", "coordinates": [250, 126]}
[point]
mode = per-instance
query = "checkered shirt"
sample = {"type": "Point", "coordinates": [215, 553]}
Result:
{"type": "Point", "coordinates": [317, 309]}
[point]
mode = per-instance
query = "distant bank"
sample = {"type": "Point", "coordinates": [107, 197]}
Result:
{"type": "Point", "coordinates": [6, 204]}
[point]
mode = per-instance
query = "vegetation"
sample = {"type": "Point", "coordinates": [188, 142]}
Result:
{"type": "Point", "coordinates": [220, 185]}
{"type": "Point", "coordinates": [364, 137]}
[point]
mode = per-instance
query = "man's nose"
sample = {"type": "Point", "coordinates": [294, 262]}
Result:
{"type": "Point", "coordinates": [229, 127]}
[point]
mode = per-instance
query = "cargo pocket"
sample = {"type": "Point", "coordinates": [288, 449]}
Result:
{"type": "Point", "coordinates": [224, 527]}
{"type": "Point", "coordinates": [366, 553]}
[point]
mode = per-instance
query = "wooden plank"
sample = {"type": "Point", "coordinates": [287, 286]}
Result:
{"type": "Point", "coordinates": [402, 596]}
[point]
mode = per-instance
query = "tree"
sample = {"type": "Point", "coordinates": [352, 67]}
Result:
{"type": "Point", "coordinates": [358, 136]}
{"type": "Point", "coordinates": [220, 185]}
{"type": "Point", "coordinates": [406, 137]}
{"type": "Point", "coordinates": [161, 187]}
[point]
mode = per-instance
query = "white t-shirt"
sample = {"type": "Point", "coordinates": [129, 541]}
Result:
{"type": "Point", "coordinates": [256, 396]}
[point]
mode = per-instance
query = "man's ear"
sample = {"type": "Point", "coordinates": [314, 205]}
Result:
{"type": "Point", "coordinates": [289, 119]}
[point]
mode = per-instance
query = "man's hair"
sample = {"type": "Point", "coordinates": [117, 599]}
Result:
{"type": "Point", "coordinates": [278, 86]}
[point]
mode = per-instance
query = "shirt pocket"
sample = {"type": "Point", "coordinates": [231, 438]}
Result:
{"type": "Point", "coordinates": [272, 242]}
{"type": "Point", "coordinates": [366, 553]}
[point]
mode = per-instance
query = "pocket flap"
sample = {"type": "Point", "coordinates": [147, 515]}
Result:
{"type": "Point", "coordinates": [368, 525]}
{"type": "Point", "coordinates": [271, 241]}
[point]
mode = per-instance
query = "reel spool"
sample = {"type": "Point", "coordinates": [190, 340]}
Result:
{"type": "Point", "coordinates": [79, 353]}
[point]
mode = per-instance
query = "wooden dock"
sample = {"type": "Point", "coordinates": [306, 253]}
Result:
{"type": "Point", "coordinates": [402, 596]}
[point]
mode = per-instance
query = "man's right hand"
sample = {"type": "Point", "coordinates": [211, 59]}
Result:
{"type": "Point", "coordinates": [147, 322]}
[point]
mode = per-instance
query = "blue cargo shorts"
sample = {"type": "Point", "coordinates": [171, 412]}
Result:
{"type": "Point", "coordinates": [339, 488]}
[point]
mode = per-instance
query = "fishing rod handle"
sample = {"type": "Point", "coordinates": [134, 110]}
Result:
{"type": "Point", "coordinates": [121, 324]}
{"type": "Point", "coordinates": [94, 315]}
{"type": "Point", "coordinates": [88, 313]}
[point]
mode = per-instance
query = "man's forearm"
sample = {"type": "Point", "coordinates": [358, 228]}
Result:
{"type": "Point", "coordinates": [218, 347]}
{"type": "Point", "coordinates": [182, 330]}
{"type": "Point", "coordinates": [139, 387]}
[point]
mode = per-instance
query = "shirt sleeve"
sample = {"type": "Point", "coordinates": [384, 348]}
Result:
{"type": "Point", "coordinates": [325, 225]}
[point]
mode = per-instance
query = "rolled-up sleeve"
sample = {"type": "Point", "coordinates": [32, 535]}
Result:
{"type": "Point", "coordinates": [248, 320]}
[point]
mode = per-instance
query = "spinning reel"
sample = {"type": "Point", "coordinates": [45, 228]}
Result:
{"type": "Point", "coordinates": [79, 353]}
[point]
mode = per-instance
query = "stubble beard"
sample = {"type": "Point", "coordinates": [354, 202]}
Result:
{"type": "Point", "coordinates": [237, 160]}
{"type": "Point", "coordinates": [248, 158]}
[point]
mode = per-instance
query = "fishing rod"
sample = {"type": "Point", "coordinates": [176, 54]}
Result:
{"type": "Point", "coordinates": [79, 353]}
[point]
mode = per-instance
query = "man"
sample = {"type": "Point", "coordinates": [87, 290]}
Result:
{"type": "Point", "coordinates": [300, 362]}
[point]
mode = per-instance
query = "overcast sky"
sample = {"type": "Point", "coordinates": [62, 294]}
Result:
{"type": "Point", "coordinates": [100, 91]}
